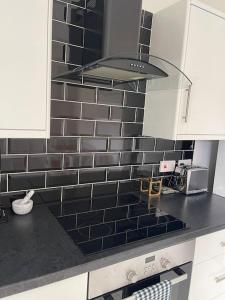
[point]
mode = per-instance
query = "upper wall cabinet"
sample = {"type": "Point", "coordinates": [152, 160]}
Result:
{"type": "Point", "coordinates": [190, 35]}
{"type": "Point", "coordinates": [25, 72]}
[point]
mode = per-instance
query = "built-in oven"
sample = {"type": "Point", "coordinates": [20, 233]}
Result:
{"type": "Point", "coordinates": [121, 280]}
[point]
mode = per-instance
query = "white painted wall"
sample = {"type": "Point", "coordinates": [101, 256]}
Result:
{"type": "Point", "coordinates": [156, 5]}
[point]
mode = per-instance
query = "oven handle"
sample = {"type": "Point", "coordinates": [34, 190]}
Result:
{"type": "Point", "coordinates": [182, 276]}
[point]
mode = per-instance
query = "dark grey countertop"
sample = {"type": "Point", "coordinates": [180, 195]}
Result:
{"type": "Point", "coordinates": [35, 250]}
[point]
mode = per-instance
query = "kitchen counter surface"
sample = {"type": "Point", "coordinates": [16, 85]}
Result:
{"type": "Point", "coordinates": [35, 250]}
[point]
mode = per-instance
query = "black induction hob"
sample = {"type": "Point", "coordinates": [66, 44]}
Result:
{"type": "Point", "coordinates": [106, 222]}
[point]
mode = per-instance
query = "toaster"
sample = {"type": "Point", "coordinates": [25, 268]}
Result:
{"type": "Point", "coordinates": [195, 180]}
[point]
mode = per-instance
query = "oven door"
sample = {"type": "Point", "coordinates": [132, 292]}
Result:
{"type": "Point", "coordinates": [180, 279]}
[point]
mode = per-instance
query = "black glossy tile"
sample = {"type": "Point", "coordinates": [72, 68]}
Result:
{"type": "Point", "coordinates": [129, 186]}
{"type": "Point", "coordinates": [175, 155]}
{"type": "Point", "coordinates": [138, 210]}
{"type": "Point", "coordinates": [13, 163]}
{"type": "Point", "coordinates": [118, 173]}
{"type": "Point", "coordinates": [176, 225]}
{"type": "Point", "coordinates": [122, 114]}
{"type": "Point", "coordinates": [79, 93]}
{"type": "Point", "coordinates": [75, 15]}
{"type": "Point", "coordinates": [74, 55]}
{"type": "Point", "coordinates": [24, 146]}
{"type": "Point", "coordinates": [156, 230]}
{"type": "Point", "coordinates": [65, 109]}
{"type": "Point", "coordinates": [78, 161]}
{"type": "Point", "coordinates": [147, 19]}
{"type": "Point", "coordinates": [127, 224]}
{"type": "Point", "coordinates": [60, 68]}
{"type": "Point", "coordinates": [126, 86]}
{"type": "Point", "coordinates": [93, 144]}
{"type": "Point", "coordinates": [48, 196]}
{"type": "Point", "coordinates": [164, 145]}
{"type": "Point", "coordinates": [145, 144]}
{"type": "Point", "coordinates": [2, 146]}
{"type": "Point", "coordinates": [79, 128]}
{"type": "Point", "coordinates": [148, 220]}
{"type": "Point", "coordinates": [59, 11]}
{"type": "Point", "coordinates": [153, 157]}
{"type": "Point", "coordinates": [93, 21]}
{"type": "Point", "coordinates": [79, 235]}
{"type": "Point", "coordinates": [95, 112]}
{"type": "Point", "coordinates": [102, 230]}
{"type": "Point", "coordinates": [104, 202]}
{"type": "Point", "coordinates": [145, 36]}
{"type": "Point", "coordinates": [108, 129]}
{"type": "Point", "coordinates": [26, 181]}
{"type": "Point", "coordinates": [131, 158]}
{"type": "Point", "coordinates": [184, 145]}
{"type": "Point", "coordinates": [114, 240]}
{"type": "Point", "coordinates": [76, 206]}
{"type": "Point", "coordinates": [142, 86]}
{"type": "Point", "coordinates": [3, 186]}
{"type": "Point", "coordinates": [97, 6]}
{"type": "Point", "coordinates": [62, 145]}
{"type": "Point", "coordinates": [91, 246]}
{"type": "Point", "coordinates": [77, 192]}
{"type": "Point", "coordinates": [89, 56]}
{"type": "Point", "coordinates": [45, 162]}
{"type": "Point", "coordinates": [110, 97]}
{"type": "Point", "coordinates": [104, 189]}
{"type": "Point", "coordinates": [56, 127]}
{"type": "Point", "coordinates": [68, 222]}
{"type": "Point", "coordinates": [90, 218]}
{"type": "Point", "coordinates": [93, 40]}
{"type": "Point", "coordinates": [132, 129]}
{"type": "Point", "coordinates": [106, 159]}
{"type": "Point", "coordinates": [142, 171]}
{"type": "Point", "coordinates": [128, 199]}
{"type": "Point", "coordinates": [140, 115]}
{"type": "Point", "coordinates": [88, 176]}
{"type": "Point", "coordinates": [188, 155]}
{"type": "Point", "coordinates": [67, 33]}
{"type": "Point", "coordinates": [117, 213]}
{"type": "Point", "coordinates": [134, 99]}
{"type": "Point", "coordinates": [62, 178]}
{"type": "Point", "coordinates": [58, 51]}
{"type": "Point", "coordinates": [145, 50]}
{"type": "Point", "coordinates": [120, 144]}
{"type": "Point", "coordinates": [136, 235]}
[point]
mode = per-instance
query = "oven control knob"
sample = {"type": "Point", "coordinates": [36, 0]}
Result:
{"type": "Point", "coordinates": [132, 277]}
{"type": "Point", "coordinates": [164, 262]}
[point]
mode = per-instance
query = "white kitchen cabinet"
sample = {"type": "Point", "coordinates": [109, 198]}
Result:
{"type": "Point", "coordinates": [25, 73]}
{"type": "Point", "coordinates": [74, 288]}
{"type": "Point", "coordinates": [189, 35]}
{"type": "Point", "coordinates": [208, 274]}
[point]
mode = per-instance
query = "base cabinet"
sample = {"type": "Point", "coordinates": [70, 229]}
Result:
{"type": "Point", "coordinates": [208, 274]}
{"type": "Point", "coordinates": [68, 289]}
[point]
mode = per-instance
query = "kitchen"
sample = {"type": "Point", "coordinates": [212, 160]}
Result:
{"type": "Point", "coordinates": [89, 120]}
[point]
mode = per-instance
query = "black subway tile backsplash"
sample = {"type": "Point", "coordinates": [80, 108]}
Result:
{"type": "Point", "coordinates": [26, 181]}
{"type": "Point", "coordinates": [13, 163]}
{"type": "Point", "coordinates": [88, 176]}
{"type": "Point", "coordinates": [45, 162]}
{"type": "Point", "coordinates": [96, 146]}
{"type": "Point", "coordinates": [80, 94]}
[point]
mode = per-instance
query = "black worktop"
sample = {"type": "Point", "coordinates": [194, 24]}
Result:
{"type": "Point", "coordinates": [35, 250]}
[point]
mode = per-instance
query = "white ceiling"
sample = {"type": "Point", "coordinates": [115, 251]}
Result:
{"type": "Point", "coordinates": [156, 5]}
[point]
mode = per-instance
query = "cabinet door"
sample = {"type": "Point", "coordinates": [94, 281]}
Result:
{"type": "Point", "coordinates": [25, 57]}
{"type": "Point", "coordinates": [68, 289]}
{"type": "Point", "coordinates": [205, 65]}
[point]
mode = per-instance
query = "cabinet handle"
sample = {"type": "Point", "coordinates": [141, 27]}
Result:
{"type": "Point", "coordinates": [220, 278]}
{"type": "Point", "coordinates": [222, 244]}
{"type": "Point", "coordinates": [188, 90]}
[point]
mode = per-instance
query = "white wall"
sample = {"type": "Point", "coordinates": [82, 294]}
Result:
{"type": "Point", "coordinates": [156, 5]}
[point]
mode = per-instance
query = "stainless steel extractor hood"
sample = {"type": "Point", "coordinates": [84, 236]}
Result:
{"type": "Point", "coordinates": [120, 46]}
